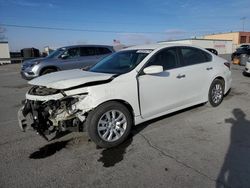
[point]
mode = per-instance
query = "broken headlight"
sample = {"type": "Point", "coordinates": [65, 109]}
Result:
{"type": "Point", "coordinates": [43, 91]}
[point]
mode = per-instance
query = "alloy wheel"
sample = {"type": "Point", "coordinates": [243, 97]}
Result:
{"type": "Point", "coordinates": [112, 125]}
{"type": "Point", "coordinates": [217, 93]}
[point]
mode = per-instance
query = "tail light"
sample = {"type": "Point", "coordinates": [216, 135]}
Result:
{"type": "Point", "coordinates": [227, 64]}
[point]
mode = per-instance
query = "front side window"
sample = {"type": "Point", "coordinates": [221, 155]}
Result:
{"type": "Point", "coordinates": [192, 56]}
{"type": "Point", "coordinates": [56, 53]}
{"type": "Point", "coordinates": [72, 52]}
{"type": "Point", "coordinates": [120, 62]}
{"type": "Point", "coordinates": [167, 58]}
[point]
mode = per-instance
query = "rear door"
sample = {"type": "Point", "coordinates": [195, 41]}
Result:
{"type": "Point", "coordinates": [87, 57]}
{"type": "Point", "coordinates": [197, 67]}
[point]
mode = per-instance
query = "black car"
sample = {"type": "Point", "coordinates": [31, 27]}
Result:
{"type": "Point", "coordinates": [243, 49]}
{"type": "Point", "coordinates": [212, 50]}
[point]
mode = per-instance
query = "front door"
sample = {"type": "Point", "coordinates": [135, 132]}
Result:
{"type": "Point", "coordinates": [161, 92]}
{"type": "Point", "coordinates": [71, 60]}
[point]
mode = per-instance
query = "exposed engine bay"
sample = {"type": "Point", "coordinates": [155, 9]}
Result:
{"type": "Point", "coordinates": [50, 117]}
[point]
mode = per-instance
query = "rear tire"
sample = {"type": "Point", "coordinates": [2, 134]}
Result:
{"type": "Point", "coordinates": [216, 93]}
{"type": "Point", "coordinates": [109, 124]}
{"type": "Point", "coordinates": [47, 71]}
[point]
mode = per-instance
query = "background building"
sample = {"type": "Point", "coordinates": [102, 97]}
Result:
{"type": "Point", "coordinates": [237, 37]}
{"type": "Point", "coordinates": [222, 46]}
{"type": "Point", "coordinates": [4, 52]}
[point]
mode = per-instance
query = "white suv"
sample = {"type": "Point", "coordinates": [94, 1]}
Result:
{"type": "Point", "coordinates": [125, 89]}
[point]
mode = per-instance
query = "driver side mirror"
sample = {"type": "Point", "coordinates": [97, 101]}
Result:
{"type": "Point", "coordinates": [153, 69]}
{"type": "Point", "coordinates": [64, 56]}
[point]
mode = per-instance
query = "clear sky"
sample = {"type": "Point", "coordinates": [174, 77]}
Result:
{"type": "Point", "coordinates": [130, 21]}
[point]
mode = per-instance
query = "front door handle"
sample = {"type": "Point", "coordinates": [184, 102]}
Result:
{"type": "Point", "coordinates": [209, 68]}
{"type": "Point", "coordinates": [181, 76]}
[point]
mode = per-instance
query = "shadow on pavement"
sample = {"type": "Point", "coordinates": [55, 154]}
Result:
{"type": "Point", "coordinates": [60, 135]}
{"type": "Point", "coordinates": [111, 156]}
{"type": "Point", "coordinates": [48, 150]}
{"type": "Point", "coordinates": [235, 171]}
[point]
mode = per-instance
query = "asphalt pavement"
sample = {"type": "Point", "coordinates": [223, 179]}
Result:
{"type": "Point", "coordinates": [197, 147]}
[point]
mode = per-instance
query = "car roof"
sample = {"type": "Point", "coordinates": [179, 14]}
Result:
{"type": "Point", "coordinates": [87, 45]}
{"type": "Point", "coordinates": [156, 46]}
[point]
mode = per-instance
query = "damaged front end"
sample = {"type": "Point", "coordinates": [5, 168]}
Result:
{"type": "Point", "coordinates": [49, 111]}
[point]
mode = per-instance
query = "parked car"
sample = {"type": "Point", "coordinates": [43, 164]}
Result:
{"type": "Point", "coordinates": [69, 57]}
{"type": "Point", "coordinates": [241, 53]}
{"type": "Point", "coordinates": [247, 68]}
{"type": "Point", "coordinates": [212, 50]}
{"type": "Point", "coordinates": [30, 53]}
{"type": "Point", "coordinates": [125, 89]}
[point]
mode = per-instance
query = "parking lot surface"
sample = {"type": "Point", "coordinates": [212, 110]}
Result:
{"type": "Point", "coordinates": [197, 147]}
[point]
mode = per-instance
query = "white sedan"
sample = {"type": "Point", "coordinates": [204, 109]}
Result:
{"type": "Point", "coordinates": [247, 68]}
{"type": "Point", "coordinates": [125, 89]}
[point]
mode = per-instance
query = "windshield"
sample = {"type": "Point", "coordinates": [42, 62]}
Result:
{"type": "Point", "coordinates": [120, 62]}
{"type": "Point", "coordinates": [56, 53]}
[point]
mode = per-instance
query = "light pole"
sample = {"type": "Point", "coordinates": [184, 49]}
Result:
{"type": "Point", "coordinates": [243, 19]}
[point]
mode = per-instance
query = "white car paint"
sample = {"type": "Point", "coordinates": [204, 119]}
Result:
{"type": "Point", "coordinates": [149, 96]}
{"type": "Point", "coordinates": [247, 67]}
{"type": "Point", "coordinates": [68, 78]}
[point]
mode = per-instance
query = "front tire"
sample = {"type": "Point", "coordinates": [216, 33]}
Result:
{"type": "Point", "coordinates": [47, 71]}
{"type": "Point", "coordinates": [216, 93]}
{"type": "Point", "coordinates": [109, 124]}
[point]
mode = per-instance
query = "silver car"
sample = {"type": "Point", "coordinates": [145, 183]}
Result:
{"type": "Point", "coordinates": [70, 57]}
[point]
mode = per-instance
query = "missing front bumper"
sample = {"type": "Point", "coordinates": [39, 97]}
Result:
{"type": "Point", "coordinates": [48, 118]}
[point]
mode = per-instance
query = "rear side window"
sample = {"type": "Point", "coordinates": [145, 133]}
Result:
{"type": "Point", "coordinates": [192, 56]}
{"type": "Point", "coordinates": [92, 51]}
{"type": "Point", "coordinates": [102, 51]}
{"type": "Point", "coordinates": [88, 51]}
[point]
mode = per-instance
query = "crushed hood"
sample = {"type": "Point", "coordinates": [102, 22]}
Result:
{"type": "Point", "coordinates": [69, 78]}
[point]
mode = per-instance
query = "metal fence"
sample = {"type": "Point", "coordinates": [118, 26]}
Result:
{"type": "Point", "coordinates": [11, 60]}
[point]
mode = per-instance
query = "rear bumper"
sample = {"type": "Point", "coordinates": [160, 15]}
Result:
{"type": "Point", "coordinates": [246, 72]}
{"type": "Point", "coordinates": [247, 68]}
{"type": "Point", "coordinates": [228, 81]}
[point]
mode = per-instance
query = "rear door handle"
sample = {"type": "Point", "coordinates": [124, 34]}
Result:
{"type": "Point", "coordinates": [181, 76]}
{"type": "Point", "coordinates": [209, 68]}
